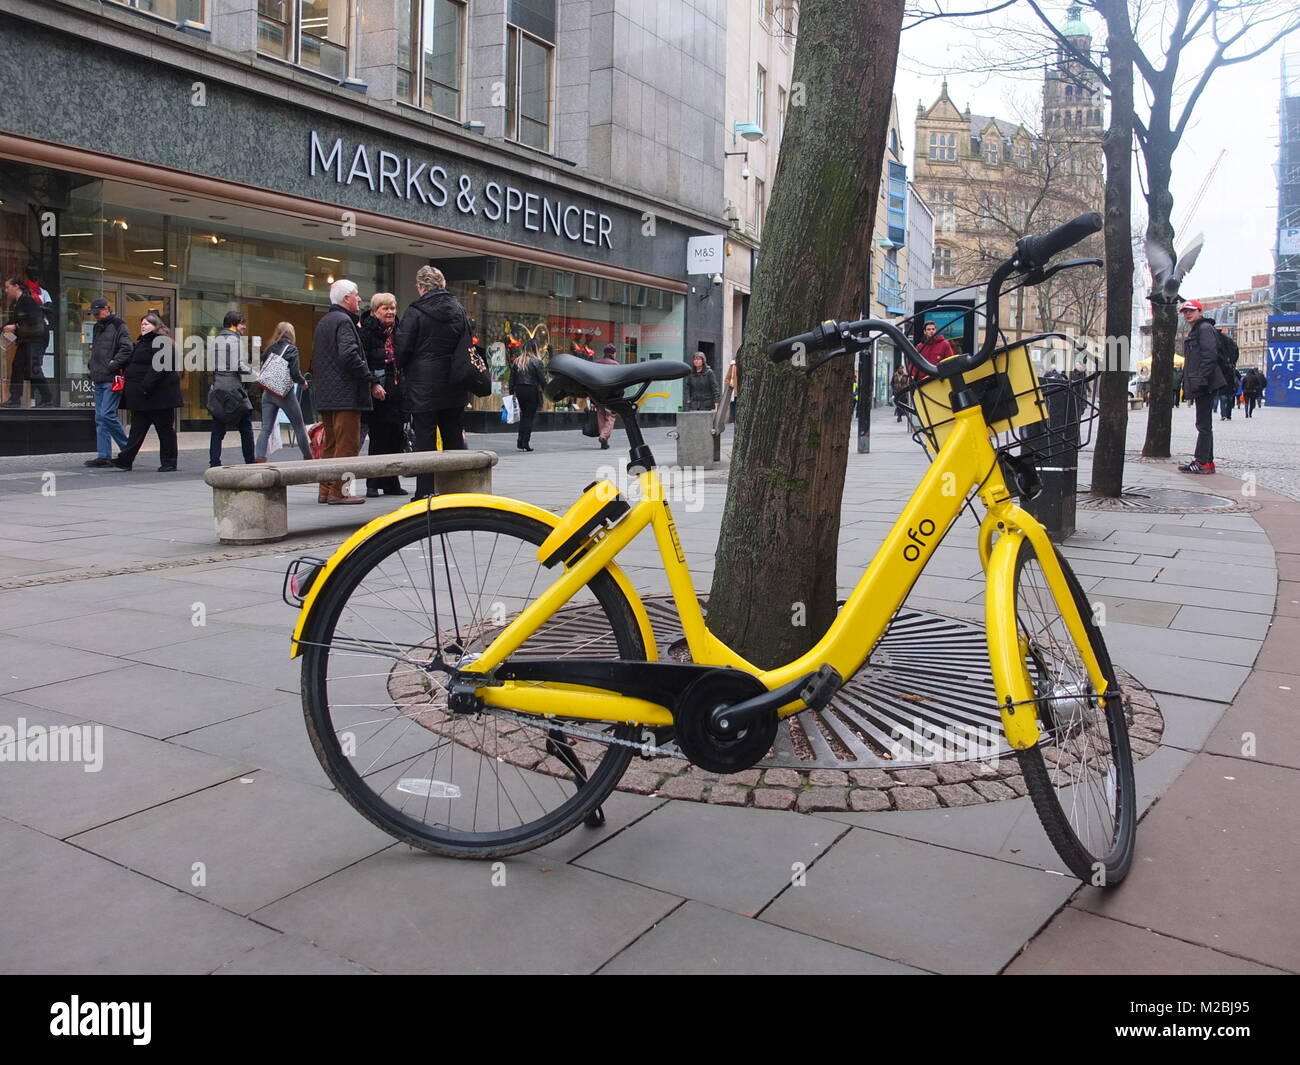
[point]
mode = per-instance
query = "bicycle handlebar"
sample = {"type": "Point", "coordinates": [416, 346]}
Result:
{"type": "Point", "coordinates": [1031, 255]}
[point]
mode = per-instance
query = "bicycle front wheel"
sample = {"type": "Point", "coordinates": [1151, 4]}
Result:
{"type": "Point", "coordinates": [389, 627]}
{"type": "Point", "coordinates": [1080, 773]}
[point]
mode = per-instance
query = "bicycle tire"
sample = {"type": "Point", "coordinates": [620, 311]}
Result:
{"type": "Point", "coordinates": [1074, 771]}
{"type": "Point", "coordinates": [363, 584]}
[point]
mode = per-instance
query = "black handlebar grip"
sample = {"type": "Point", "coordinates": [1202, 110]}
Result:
{"type": "Point", "coordinates": [815, 339]}
{"type": "Point", "coordinates": [1035, 251]}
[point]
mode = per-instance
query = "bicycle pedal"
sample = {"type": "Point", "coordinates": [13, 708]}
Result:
{"type": "Point", "coordinates": [821, 687]}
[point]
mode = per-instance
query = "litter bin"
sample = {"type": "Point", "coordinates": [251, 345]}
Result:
{"type": "Point", "coordinates": [1053, 447]}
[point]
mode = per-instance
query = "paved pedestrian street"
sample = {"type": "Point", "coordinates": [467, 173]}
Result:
{"type": "Point", "coordinates": [195, 831]}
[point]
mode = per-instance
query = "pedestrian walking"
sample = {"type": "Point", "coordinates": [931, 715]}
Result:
{"type": "Point", "coordinates": [384, 420]}
{"type": "Point", "coordinates": [228, 400]}
{"type": "Point", "coordinates": [1178, 385]}
{"type": "Point", "coordinates": [604, 416]}
{"type": "Point", "coordinates": [26, 331]}
{"type": "Point", "coordinates": [431, 330]}
{"type": "Point", "coordinates": [732, 381]}
{"type": "Point", "coordinates": [1203, 380]}
{"type": "Point", "coordinates": [110, 350]}
{"type": "Point", "coordinates": [900, 384]}
{"type": "Point", "coordinates": [152, 393]}
{"type": "Point", "coordinates": [527, 379]}
{"type": "Point", "coordinates": [1252, 388]}
{"type": "Point", "coordinates": [281, 348]}
{"type": "Point", "coordinates": [701, 385]}
{"type": "Point", "coordinates": [343, 385]}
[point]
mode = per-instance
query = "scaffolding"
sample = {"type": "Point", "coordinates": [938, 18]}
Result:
{"type": "Point", "coordinates": [1286, 292]}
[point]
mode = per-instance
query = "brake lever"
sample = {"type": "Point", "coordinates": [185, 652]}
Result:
{"type": "Point", "coordinates": [1068, 264]}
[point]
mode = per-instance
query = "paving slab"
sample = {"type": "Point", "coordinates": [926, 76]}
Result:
{"type": "Point", "coordinates": [1192, 677]}
{"type": "Point", "coordinates": [1258, 580]}
{"type": "Point", "coordinates": [258, 837]}
{"type": "Point", "coordinates": [931, 907]}
{"type": "Point", "coordinates": [291, 956]}
{"type": "Point", "coordinates": [1217, 622]}
{"type": "Point", "coordinates": [1189, 722]}
{"type": "Point", "coordinates": [737, 859]}
{"type": "Point", "coordinates": [1216, 868]}
{"type": "Point", "coordinates": [403, 911]}
{"type": "Point", "coordinates": [1147, 641]}
{"type": "Point", "coordinates": [92, 916]}
{"type": "Point", "coordinates": [1279, 653]}
{"type": "Point", "coordinates": [1135, 611]}
{"type": "Point", "coordinates": [700, 939]}
{"type": "Point", "coordinates": [254, 656]}
{"type": "Point", "coordinates": [152, 700]}
{"type": "Point", "coordinates": [274, 739]}
{"type": "Point", "coordinates": [29, 664]}
{"type": "Point", "coordinates": [119, 632]}
{"type": "Point", "coordinates": [1083, 944]}
{"type": "Point", "coordinates": [1185, 595]}
{"type": "Point", "coordinates": [136, 772]}
{"type": "Point", "coordinates": [621, 810]}
{"type": "Point", "coordinates": [1263, 723]}
{"type": "Point", "coordinates": [1288, 599]}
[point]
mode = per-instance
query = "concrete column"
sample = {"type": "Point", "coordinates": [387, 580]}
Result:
{"type": "Point", "coordinates": [251, 515]}
{"type": "Point", "coordinates": [451, 481]}
{"type": "Point", "coordinates": [233, 24]}
{"type": "Point", "coordinates": [376, 45]}
{"type": "Point", "coordinates": [695, 439]}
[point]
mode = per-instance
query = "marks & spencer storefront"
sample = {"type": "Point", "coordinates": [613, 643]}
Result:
{"type": "Point", "coordinates": [252, 204]}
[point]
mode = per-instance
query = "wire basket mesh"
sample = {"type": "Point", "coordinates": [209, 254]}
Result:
{"type": "Point", "coordinates": [1045, 421]}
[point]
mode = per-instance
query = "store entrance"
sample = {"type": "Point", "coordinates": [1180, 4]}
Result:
{"type": "Point", "coordinates": [130, 301]}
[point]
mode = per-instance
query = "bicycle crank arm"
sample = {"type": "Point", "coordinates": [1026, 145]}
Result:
{"type": "Point", "coordinates": [815, 691]}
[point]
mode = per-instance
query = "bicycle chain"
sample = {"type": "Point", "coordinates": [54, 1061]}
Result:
{"type": "Point", "coordinates": [647, 749]}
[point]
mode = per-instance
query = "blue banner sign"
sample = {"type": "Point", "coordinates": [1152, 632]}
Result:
{"type": "Point", "coordinates": [1283, 368]}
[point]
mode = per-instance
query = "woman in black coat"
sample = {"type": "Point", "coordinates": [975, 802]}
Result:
{"type": "Point", "coordinates": [701, 386]}
{"type": "Point", "coordinates": [527, 379]}
{"type": "Point", "coordinates": [384, 419]}
{"type": "Point", "coordinates": [152, 394]}
{"type": "Point", "coordinates": [431, 329]}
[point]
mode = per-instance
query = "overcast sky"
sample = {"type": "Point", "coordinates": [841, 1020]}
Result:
{"type": "Point", "coordinates": [1238, 111]}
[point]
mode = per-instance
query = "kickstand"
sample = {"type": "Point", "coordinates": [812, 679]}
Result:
{"type": "Point", "coordinates": [559, 747]}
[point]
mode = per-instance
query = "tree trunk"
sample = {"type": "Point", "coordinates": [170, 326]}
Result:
{"type": "Point", "coordinates": [1164, 322]}
{"type": "Point", "coordinates": [774, 587]}
{"type": "Point", "coordinates": [1112, 428]}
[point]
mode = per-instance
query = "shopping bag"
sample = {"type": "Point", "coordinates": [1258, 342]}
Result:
{"type": "Point", "coordinates": [509, 409]}
{"type": "Point", "coordinates": [274, 442]}
{"type": "Point", "coordinates": [316, 439]}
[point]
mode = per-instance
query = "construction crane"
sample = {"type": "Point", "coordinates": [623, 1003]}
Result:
{"type": "Point", "coordinates": [1200, 193]}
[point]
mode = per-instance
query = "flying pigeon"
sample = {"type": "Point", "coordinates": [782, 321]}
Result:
{"type": "Point", "coordinates": [1166, 275]}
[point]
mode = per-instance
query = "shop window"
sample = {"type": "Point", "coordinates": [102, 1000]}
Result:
{"type": "Point", "coordinates": [942, 262]}
{"type": "Point", "coordinates": [760, 97]}
{"type": "Point", "coordinates": [528, 90]}
{"type": "Point", "coordinates": [311, 33]}
{"type": "Point", "coordinates": [192, 12]}
{"type": "Point", "coordinates": [897, 203]}
{"type": "Point", "coordinates": [431, 75]}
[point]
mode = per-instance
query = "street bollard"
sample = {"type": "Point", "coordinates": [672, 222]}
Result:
{"type": "Point", "coordinates": [1054, 446]}
{"type": "Point", "coordinates": [695, 439]}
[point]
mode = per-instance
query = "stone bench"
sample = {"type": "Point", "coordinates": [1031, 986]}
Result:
{"type": "Point", "coordinates": [251, 506]}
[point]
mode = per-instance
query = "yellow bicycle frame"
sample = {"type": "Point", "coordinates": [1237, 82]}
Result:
{"type": "Point", "coordinates": [966, 461]}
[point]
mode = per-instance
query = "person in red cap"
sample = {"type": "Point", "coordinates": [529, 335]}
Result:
{"type": "Point", "coordinates": [1203, 379]}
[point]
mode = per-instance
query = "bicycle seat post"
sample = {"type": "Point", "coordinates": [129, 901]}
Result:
{"type": "Point", "coordinates": [641, 459]}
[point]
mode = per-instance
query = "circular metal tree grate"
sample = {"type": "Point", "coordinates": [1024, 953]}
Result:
{"type": "Point", "coordinates": [1138, 498]}
{"type": "Point", "coordinates": [925, 696]}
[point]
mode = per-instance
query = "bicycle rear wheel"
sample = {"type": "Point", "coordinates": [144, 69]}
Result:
{"type": "Point", "coordinates": [387, 629]}
{"type": "Point", "coordinates": [1080, 773]}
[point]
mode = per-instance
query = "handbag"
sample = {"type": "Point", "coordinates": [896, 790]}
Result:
{"type": "Point", "coordinates": [119, 383]}
{"type": "Point", "coordinates": [469, 373]}
{"type": "Point", "coordinates": [509, 409]}
{"type": "Point", "coordinates": [316, 439]}
{"type": "Point", "coordinates": [228, 405]}
{"type": "Point", "coordinates": [591, 424]}
{"type": "Point", "coordinates": [274, 375]}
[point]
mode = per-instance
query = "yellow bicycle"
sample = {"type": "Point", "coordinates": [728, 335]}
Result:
{"type": "Point", "coordinates": [478, 672]}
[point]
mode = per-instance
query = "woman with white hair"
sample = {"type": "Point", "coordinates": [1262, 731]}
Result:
{"type": "Point", "coordinates": [343, 384]}
{"type": "Point", "coordinates": [432, 328]}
